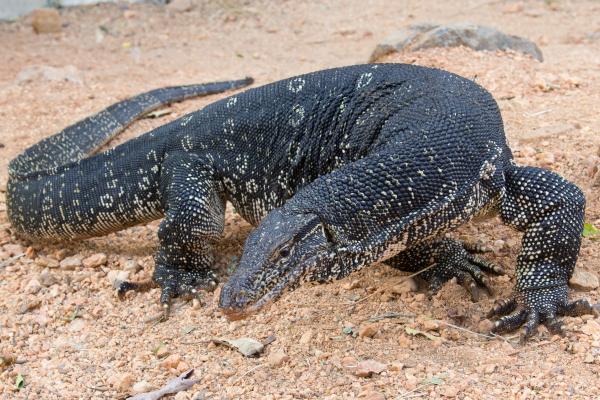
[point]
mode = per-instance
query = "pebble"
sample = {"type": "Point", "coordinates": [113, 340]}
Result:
{"type": "Point", "coordinates": [13, 249]}
{"type": "Point", "coordinates": [352, 285]}
{"type": "Point", "coordinates": [47, 262]}
{"type": "Point", "coordinates": [430, 325]}
{"type": "Point", "coordinates": [591, 328]}
{"type": "Point", "coordinates": [306, 337]}
{"type": "Point", "coordinates": [368, 330]}
{"type": "Point", "coordinates": [171, 361]}
{"type": "Point", "coordinates": [77, 325]}
{"type": "Point", "coordinates": [485, 326]}
{"type": "Point", "coordinates": [583, 280]}
{"type": "Point", "coordinates": [180, 5]}
{"type": "Point", "coordinates": [33, 286]}
{"type": "Point", "coordinates": [141, 387]}
{"type": "Point", "coordinates": [366, 368]}
{"type": "Point", "coordinates": [95, 260]}
{"type": "Point", "coordinates": [70, 263]}
{"type": "Point", "coordinates": [47, 279]}
{"type": "Point", "coordinates": [121, 382]}
{"type": "Point", "coordinates": [407, 286]}
{"type": "Point", "coordinates": [130, 265]}
{"type": "Point", "coordinates": [349, 362]}
{"type": "Point", "coordinates": [278, 358]}
{"type": "Point", "coordinates": [371, 395]}
{"type": "Point", "coordinates": [162, 352]}
{"type": "Point", "coordinates": [46, 20]}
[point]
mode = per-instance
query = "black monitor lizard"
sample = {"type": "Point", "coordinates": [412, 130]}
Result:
{"type": "Point", "coordinates": [358, 164]}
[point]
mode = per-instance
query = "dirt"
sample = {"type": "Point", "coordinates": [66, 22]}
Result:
{"type": "Point", "coordinates": [67, 335]}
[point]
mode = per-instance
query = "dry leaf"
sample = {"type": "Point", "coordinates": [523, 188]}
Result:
{"type": "Point", "coordinates": [369, 367]}
{"type": "Point", "coordinates": [247, 346]}
{"type": "Point", "coordinates": [179, 384]}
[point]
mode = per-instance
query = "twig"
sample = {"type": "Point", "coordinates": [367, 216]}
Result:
{"type": "Point", "coordinates": [9, 261]}
{"type": "Point", "coordinates": [536, 114]}
{"type": "Point", "coordinates": [406, 278]}
{"type": "Point", "coordinates": [239, 378]}
{"type": "Point", "coordinates": [389, 315]}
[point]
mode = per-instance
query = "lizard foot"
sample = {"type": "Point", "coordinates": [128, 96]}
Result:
{"type": "Point", "coordinates": [535, 306]}
{"type": "Point", "coordinates": [174, 282]}
{"type": "Point", "coordinates": [455, 260]}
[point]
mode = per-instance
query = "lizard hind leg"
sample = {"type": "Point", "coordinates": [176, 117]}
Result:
{"type": "Point", "coordinates": [194, 220]}
{"type": "Point", "coordinates": [549, 210]}
{"type": "Point", "coordinates": [444, 259]}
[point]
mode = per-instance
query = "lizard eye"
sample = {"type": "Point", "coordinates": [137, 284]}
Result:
{"type": "Point", "coordinates": [284, 252]}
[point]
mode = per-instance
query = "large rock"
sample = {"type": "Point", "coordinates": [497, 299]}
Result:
{"type": "Point", "coordinates": [46, 20]}
{"type": "Point", "coordinates": [477, 37]}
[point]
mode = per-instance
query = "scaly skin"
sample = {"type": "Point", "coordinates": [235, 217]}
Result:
{"type": "Point", "coordinates": [437, 158]}
{"type": "Point", "coordinates": [359, 163]}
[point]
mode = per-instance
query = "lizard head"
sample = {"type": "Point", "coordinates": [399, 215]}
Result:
{"type": "Point", "coordinates": [278, 254]}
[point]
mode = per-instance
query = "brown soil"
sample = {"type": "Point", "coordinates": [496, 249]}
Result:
{"type": "Point", "coordinates": [72, 338]}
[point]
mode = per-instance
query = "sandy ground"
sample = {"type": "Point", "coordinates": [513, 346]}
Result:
{"type": "Point", "coordinates": [72, 338]}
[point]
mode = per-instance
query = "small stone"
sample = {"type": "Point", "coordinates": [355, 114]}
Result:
{"type": "Point", "coordinates": [512, 8]}
{"type": "Point", "coordinates": [396, 366]}
{"type": "Point", "coordinates": [162, 351]}
{"type": "Point", "coordinates": [591, 328]}
{"type": "Point", "coordinates": [122, 382]}
{"type": "Point", "coordinates": [583, 280]}
{"type": "Point", "coordinates": [368, 330]}
{"type": "Point", "coordinates": [180, 5]}
{"type": "Point", "coordinates": [95, 260]}
{"type": "Point", "coordinates": [369, 367]}
{"type": "Point", "coordinates": [278, 358]}
{"type": "Point", "coordinates": [349, 362]}
{"type": "Point", "coordinates": [419, 297]}
{"type": "Point", "coordinates": [371, 395]}
{"type": "Point", "coordinates": [228, 372]}
{"type": "Point", "coordinates": [306, 337]}
{"type": "Point", "coordinates": [77, 325]}
{"type": "Point", "coordinates": [130, 265]}
{"type": "Point", "coordinates": [450, 390]}
{"type": "Point", "coordinates": [47, 262]}
{"type": "Point", "coordinates": [430, 325]}
{"type": "Point", "coordinates": [30, 253]}
{"type": "Point", "coordinates": [46, 20]}
{"type": "Point", "coordinates": [171, 361]}
{"type": "Point", "coordinates": [70, 263]}
{"type": "Point", "coordinates": [13, 249]}
{"type": "Point", "coordinates": [352, 285]}
{"type": "Point", "coordinates": [404, 341]}
{"type": "Point", "coordinates": [141, 387]}
{"type": "Point", "coordinates": [47, 279]}
{"type": "Point", "coordinates": [485, 326]}
{"type": "Point", "coordinates": [33, 286]}
{"type": "Point", "coordinates": [406, 286]}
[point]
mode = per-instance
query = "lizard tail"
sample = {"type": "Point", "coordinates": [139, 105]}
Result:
{"type": "Point", "coordinates": [88, 135]}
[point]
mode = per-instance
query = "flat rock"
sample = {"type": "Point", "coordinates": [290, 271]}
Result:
{"type": "Point", "coordinates": [46, 20]}
{"type": "Point", "coordinates": [70, 263]}
{"type": "Point", "coordinates": [95, 260]}
{"type": "Point", "coordinates": [180, 5]}
{"type": "Point", "coordinates": [584, 280]}
{"type": "Point", "coordinates": [68, 73]}
{"type": "Point", "coordinates": [477, 37]}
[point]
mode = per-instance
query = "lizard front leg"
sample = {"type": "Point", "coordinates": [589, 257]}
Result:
{"type": "Point", "coordinates": [550, 211]}
{"type": "Point", "coordinates": [194, 220]}
{"type": "Point", "coordinates": [444, 259]}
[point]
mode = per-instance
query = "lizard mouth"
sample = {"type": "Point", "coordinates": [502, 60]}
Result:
{"type": "Point", "coordinates": [248, 307]}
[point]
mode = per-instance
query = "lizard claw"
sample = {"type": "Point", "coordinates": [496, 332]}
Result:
{"type": "Point", "coordinates": [538, 306]}
{"type": "Point", "coordinates": [468, 269]}
{"type": "Point", "coordinates": [174, 283]}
